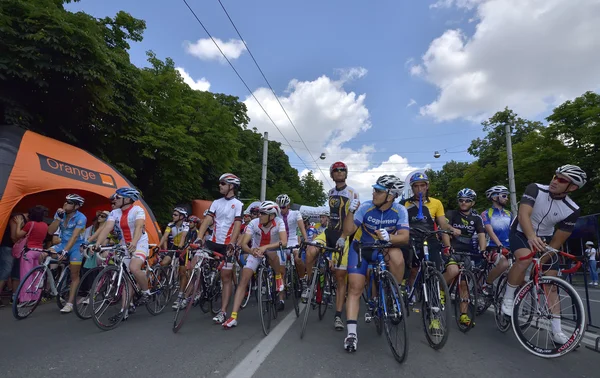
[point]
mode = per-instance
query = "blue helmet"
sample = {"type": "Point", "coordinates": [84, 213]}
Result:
{"type": "Point", "coordinates": [127, 192]}
{"type": "Point", "coordinates": [467, 193]}
{"type": "Point", "coordinates": [418, 177]}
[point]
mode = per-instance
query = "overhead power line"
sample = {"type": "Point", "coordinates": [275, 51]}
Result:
{"type": "Point", "coordinates": [272, 90]}
{"type": "Point", "coordinates": [244, 82]}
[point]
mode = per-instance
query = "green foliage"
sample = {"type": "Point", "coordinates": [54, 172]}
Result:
{"type": "Point", "coordinates": [68, 76]}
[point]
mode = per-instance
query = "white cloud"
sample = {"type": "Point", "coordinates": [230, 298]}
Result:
{"type": "Point", "coordinates": [525, 54]}
{"type": "Point", "coordinates": [411, 103]}
{"type": "Point", "coordinates": [350, 74]}
{"type": "Point", "coordinates": [205, 49]}
{"type": "Point", "coordinates": [326, 116]}
{"type": "Point", "coordinates": [199, 85]}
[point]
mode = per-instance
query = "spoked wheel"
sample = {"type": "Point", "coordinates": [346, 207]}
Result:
{"type": "Point", "coordinates": [503, 322]}
{"type": "Point", "coordinates": [159, 291]}
{"type": "Point", "coordinates": [394, 318]}
{"type": "Point", "coordinates": [29, 293]}
{"type": "Point", "coordinates": [83, 304]}
{"type": "Point", "coordinates": [63, 288]}
{"type": "Point", "coordinates": [310, 298]}
{"type": "Point", "coordinates": [435, 310]}
{"type": "Point", "coordinates": [182, 311]}
{"type": "Point", "coordinates": [293, 286]}
{"type": "Point", "coordinates": [483, 301]}
{"type": "Point", "coordinates": [326, 293]}
{"type": "Point", "coordinates": [535, 309]}
{"type": "Point", "coordinates": [216, 295]}
{"type": "Point", "coordinates": [465, 300]}
{"type": "Point", "coordinates": [265, 305]}
{"type": "Point", "coordinates": [110, 301]}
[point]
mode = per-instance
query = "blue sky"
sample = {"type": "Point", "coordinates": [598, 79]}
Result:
{"type": "Point", "coordinates": [453, 58]}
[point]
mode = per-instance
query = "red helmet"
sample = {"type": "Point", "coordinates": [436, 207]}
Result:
{"type": "Point", "coordinates": [338, 165]}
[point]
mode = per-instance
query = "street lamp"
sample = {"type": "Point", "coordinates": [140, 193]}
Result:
{"type": "Point", "coordinates": [436, 154]}
{"type": "Point", "coordinates": [323, 156]}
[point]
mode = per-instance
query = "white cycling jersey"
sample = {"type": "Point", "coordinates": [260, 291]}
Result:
{"type": "Point", "coordinates": [264, 236]}
{"type": "Point", "coordinates": [548, 212]}
{"type": "Point", "coordinates": [291, 220]}
{"type": "Point", "coordinates": [125, 228]}
{"type": "Point", "coordinates": [225, 212]}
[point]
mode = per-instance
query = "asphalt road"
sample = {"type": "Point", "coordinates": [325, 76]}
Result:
{"type": "Point", "coordinates": [49, 344]}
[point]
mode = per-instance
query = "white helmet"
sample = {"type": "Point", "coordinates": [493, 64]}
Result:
{"type": "Point", "coordinates": [181, 211]}
{"type": "Point", "coordinates": [495, 190]}
{"type": "Point", "coordinates": [466, 193]}
{"type": "Point", "coordinates": [75, 198]}
{"type": "Point", "coordinates": [390, 183]}
{"type": "Point", "coordinates": [230, 178]}
{"type": "Point", "coordinates": [324, 212]}
{"type": "Point", "coordinates": [269, 207]}
{"type": "Point", "coordinates": [589, 243]}
{"type": "Point", "coordinates": [283, 200]}
{"type": "Point", "coordinates": [574, 173]}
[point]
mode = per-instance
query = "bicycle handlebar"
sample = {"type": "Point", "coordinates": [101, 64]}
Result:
{"type": "Point", "coordinates": [370, 246]}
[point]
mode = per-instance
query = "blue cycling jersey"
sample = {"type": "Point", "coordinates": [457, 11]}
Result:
{"type": "Point", "coordinates": [78, 220]}
{"type": "Point", "coordinates": [368, 218]}
{"type": "Point", "coordinates": [500, 222]}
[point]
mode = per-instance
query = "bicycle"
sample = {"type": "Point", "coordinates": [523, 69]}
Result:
{"type": "Point", "coordinates": [111, 287]}
{"type": "Point", "coordinates": [388, 307]}
{"type": "Point", "coordinates": [466, 276]}
{"type": "Point", "coordinates": [428, 284]}
{"type": "Point", "coordinates": [538, 316]}
{"type": "Point", "coordinates": [267, 293]}
{"type": "Point", "coordinates": [322, 293]}
{"type": "Point", "coordinates": [481, 273]}
{"type": "Point", "coordinates": [82, 300]}
{"type": "Point", "coordinates": [40, 283]}
{"type": "Point", "coordinates": [205, 271]}
{"type": "Point", "coordinates": [292, 281]}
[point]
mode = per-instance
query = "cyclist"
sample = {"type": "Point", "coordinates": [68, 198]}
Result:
{"type": "Point", "coordinates": [175, 233]}
{"type": "Point", "coordinates": [469, 225]}
{"type": "Point", "coordinates": [192, 235]}
{"type": "Point", "coordinates": [265, 233]}
{"type": "Point", "coordinates": [379, 219]}
{"type": "Point", "coordinates": [340, 198]}
{"type": "Point", "coordinates": [129, 219]}
{"type": "Point", "coordinates": [542, 209]}
{"type": "Point", "coordinates": [292, 219]}
{"type": "Point", "coordinates": [71, 224]}
{"type": "Point", "coordinates": [225, 215]}
{"type": "Point", "coordinates": [496, 221]}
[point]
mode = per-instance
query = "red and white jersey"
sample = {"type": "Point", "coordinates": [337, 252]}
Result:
{"type": "Point", "coordinates": [125, 222]}
{"type": "Point", "coordinates": [264, 235]}
{"type": "Point", "coordinates": [225, 213]}
{"type": "Point", "coordinates": [291, 220]}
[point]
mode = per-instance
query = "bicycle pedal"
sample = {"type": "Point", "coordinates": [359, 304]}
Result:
{"type": "Point", "coordinates": [368, 318]}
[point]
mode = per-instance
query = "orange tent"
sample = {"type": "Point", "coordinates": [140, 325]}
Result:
{"type": "Point", "coordinates": [199, 206]}
{"type": "Point", "coordinates": [37, 170]}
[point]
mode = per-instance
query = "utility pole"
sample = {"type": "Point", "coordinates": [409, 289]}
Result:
{"type": "Point", "coordinates": [263, 179]}
{"type": "Point", "coordinates": [511, 169]}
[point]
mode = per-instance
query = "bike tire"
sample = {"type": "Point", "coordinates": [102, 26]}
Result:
{"type": "Point", "coordinates": [483, 301]}
{"type": "Point", "coordinates": [216, 295]}
{"type": "Point", "coordinates": [311, 293]}
{"type": "Point", "coordinates": [82, 310]}
{"type": "Point", "coordinates": [38, 277]}
{"type": "Point", "coordinates": [394, 315]}
{"type": "Point", "coordinates": [119, 292]}
{"type": "Point", "coordinates": [181, 314]}
{"type": "Point", "coordinates": [63, 288]}
{"type": "Point", "coordinates": [434, 283]}
{"type": "Point", "coordinates": [265, 307]}
{"type": "Point", "coordinates": [503, 322]}
{"type": "Point", "coordinates": [576, 335]}
{"type": "Point", "coordinates": [327, 286]}
{"type": "Point", "coordinates": [293, 289]}
{"type": "Point", "coordinates": [160, 292]}
{"type": "Point", "coordinates": [468, 278]}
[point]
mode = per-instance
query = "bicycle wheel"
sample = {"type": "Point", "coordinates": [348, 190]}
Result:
{"type": "Point", "coordinates": [394, 319]}
{"type": "Point", "coordinates": [182, 313]}
{"type": "Point", "coordinates": [571, 312]}
{"type": "Point", "coordinates": [483, 301]}
{"type": "Point", "coordinates": [216, 294]}
{"type": "Point", "coordinates": [466, 280]}
{"type": "Point", "coordinates": [294, 284]}
{"type": "Point", "coordinates": [159, 291]}
{"type": "Point", "coordinates": [82, 308]}
{"type": "Point", "coordinates": [434, 310]}
{"type": "Point", "coordinates": [325, 294]}
{"type": "Point", "coordinates": [309, 302]}
{"type": "Point", "coordinates": [63, 288]}
{"type": "Point", "coordinates": [29, 293]}
{"type": "Point", "coordinates": [265, 307]}
{"type": "Point", "coordinates": [503, 322]}
{"type": "Point", "coordinates": [108, 297]}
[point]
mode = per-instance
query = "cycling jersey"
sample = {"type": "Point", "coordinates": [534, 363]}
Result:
{"type": "Point", "coordinates": [225, 212]}
{"type": "Point", "coordinates": [368, 218]}
{"type": "Point", "coordinates": [339, 202]}
{"type": "Point", "coordinates": [175, 232]}
{"type": "Point", "coordinates": [314, 230]}
{"type": "Point", "coordinates": [431, 211]}
{"type": "Point", "coordinates": [78, 220]}
{"type": "Point", "coordinates": [262, 236]}
{"type": "Point", "coordinates": [547, 211]}
{"type": "Point", "coordinates": [500, 220]}
{"type": "Point", "coordinates": [291, 220]}
{"type": "Point", "coordinates": [469, 226]}
{"type": "Point", "coordinates": [125, 227]}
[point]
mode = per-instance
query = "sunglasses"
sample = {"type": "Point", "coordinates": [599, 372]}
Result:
{"type": "Point", "coordinates": [70, 203]}
{"type": "Point", "coordinates": [339, 170]}
{"type": "Point", "coordinates": [502, 195]}
{"type": "Point", "coordinates": [263, 213]}
{"type": "Point", "coordinates": [102, 216]}
{"type": "Point", "coordinates": [379, 190]}
{"type": "Point", "coordinates": [561, 180]}
{"type": "Point", "coordinates": [223, 183]}
{"type": "Point", "coordinates": [176, 215]}
{"type": "Point", "coordinates": [465, 200]}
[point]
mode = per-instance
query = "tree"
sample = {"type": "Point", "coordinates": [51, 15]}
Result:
{"type": "Point", "coordinates": [311, 190]}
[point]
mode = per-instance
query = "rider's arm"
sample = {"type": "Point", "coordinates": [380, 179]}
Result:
{"type": "Point", "coordinates": [245, 240]}
{"type": "Point", "coordinates": [236, 230]}
{"type": "Point", "coordinates": [564, 230]}
{"type": "Point", "coordinates": [206, 223]}
{"type": "Point", "coordinates": [490, 231]}
{"type": "Point", "coordinates": [282, 238]}
{"type": "Point", "coordinates": [525, 211]}
{"type": "Point", "coordinates": [400, 237]}
{"type": "Point", "coordinates": [480, 233]}
{"type": "Point", "coordinates": [104, 231]}
{"type": "Point", "coordinates": [96, 233]}
{"type": "Point", "coordinates": [446, 240]}
{"type": "Point", "coordinates": [301, 226]}
{"type": "Point", "coordinates": [165, 237]}
{"type": "Point", "coordinates": [559, 238]}
{"type": "Point", "coordinates": [53, 226]}
{"type": "Point", "coordinates": [444, 225]}
{"type": "Point", "coordinates": [350, 225]}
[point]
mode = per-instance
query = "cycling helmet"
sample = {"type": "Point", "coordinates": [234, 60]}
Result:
{"type": "Point", "coordinates": [390, 183]}
{"type": "Point", "coordinates": [76, 198]}
{"type": "Point", "coordinates": [230, 178]}
{"type": "Point", "coordinates": [283, 200]}
{"type": "Point", "coordinates": [418, 177]}
{"type": "Point", "coordinates": [269, 207]}
{"type": "Point", "coordinates": [194, 219]}
{"type": "Point", "coordinates": [324, 212]}
{"type": "Point", "coordinates": [589, 243]}
{"type": "Point", "coordinates": [127, 192]}
{"type": "Point", "coordinates": [467, 193]}
{"type": "Point", "coordinates": [181, 211]}
{"type": "Point", "coordinates": [495, 190]}
{"type": "Point", "coordinates": [338, 165]}
{"type": "Point", "coordinates": [574, 173]}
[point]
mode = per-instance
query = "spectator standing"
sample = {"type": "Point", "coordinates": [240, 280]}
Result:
{"type": "Point", "coordinates": [591, 253]}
